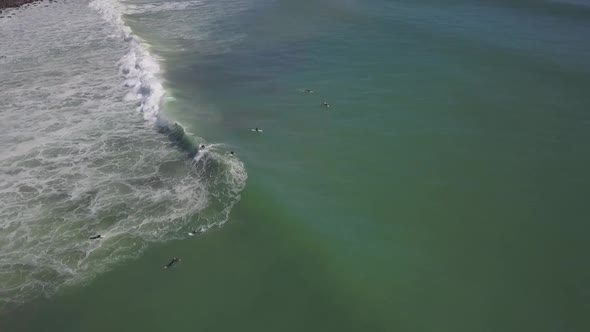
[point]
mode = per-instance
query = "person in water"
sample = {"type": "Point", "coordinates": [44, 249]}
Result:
{"type": "Point", "coordinates": [308, 90]}
{"type": "Point", "coordinates": [326, 104]}
{"type": "Point", "coordinates": [202, 146]}
{"type": "Point", "coordinates": [196, 231]}
{"type": "Point", "coordinates": [172, 262]}
{"type": "Point", "coordinates": [231, 153]}
{"type": "Point", "coordinates": [96, 237]}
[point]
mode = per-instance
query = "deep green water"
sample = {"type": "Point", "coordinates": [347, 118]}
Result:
{"type": "Point", "coordinates": [445, 189]}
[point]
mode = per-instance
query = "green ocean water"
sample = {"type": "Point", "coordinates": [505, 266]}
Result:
{"type": "Point", "coordinates": [445, 189]}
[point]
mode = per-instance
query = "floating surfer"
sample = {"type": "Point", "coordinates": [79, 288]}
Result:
{"type": "Point", "coordinates": [96, 237]}
{"type": "Point", "coordinates": [257, 130]}
{"type": "Point", "coordinates": [172, 262]}
{"type": "Point", "coordinates": [231, 153]}
{"type": "Point", "coordinates": [326, 105]}
{"type": "Point", "coordinates": [308, 91]}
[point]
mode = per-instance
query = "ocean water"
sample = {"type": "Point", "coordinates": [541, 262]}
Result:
{"type": "Point", "coordinates": [85, 152]}
{"type": "Point", "coordinates": [444, 189]}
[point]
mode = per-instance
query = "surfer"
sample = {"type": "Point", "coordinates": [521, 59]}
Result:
{"type": "Point", "coordinates": [202, 146]}
{"type": "Point", "coordinates": [96, 237]}
{"type": "Point", "coordinates": [231, 153]}
{"type": "Point", "coordinates": [257, 130]}
{"type": "Point", "coordinates": [326, 105]}
{"type": "Point", "coordinates": [172, 262]}
{"type": "Point", "coordinates": [308, 90]}
{"type": "Point", "coordinates": [196, 231]}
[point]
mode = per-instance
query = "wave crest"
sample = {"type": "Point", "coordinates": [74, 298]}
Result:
{"type": "Point", "coordinates": [138, 66]}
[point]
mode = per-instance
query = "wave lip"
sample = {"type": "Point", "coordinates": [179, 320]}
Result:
{"type": "Point", "coordinates": [138, 66]}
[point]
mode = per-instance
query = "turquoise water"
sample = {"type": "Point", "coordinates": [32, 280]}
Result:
{"type": "Point", "coordinates": [445, 189]}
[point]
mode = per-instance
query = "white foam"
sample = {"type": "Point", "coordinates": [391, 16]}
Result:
{"type": "Point", "coordinates": [77, 161]}
{"type": "Point", "coordinates": [138, 66]}
{"type": "Point", "coordinates": [160, 7]}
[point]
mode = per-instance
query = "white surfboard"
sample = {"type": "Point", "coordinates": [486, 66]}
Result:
{"type": "Point", "coordinates": [257, 131]}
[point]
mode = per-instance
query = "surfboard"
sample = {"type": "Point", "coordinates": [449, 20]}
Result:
{"type": "Point", "coordinates": [198, 232]}
{"type": "Point", "coordinates": [257, 131]}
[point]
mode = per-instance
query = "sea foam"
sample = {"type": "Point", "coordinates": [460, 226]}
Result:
{"type": "Point", "coordinates": [138, 66]}
{"type": "Point", "coordinates": [77, 160]}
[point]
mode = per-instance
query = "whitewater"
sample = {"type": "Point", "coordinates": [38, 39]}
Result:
{"type": "Point", "coordinates": [86, 150]}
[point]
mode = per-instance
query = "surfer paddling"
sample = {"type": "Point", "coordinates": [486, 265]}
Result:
{"type": "Point", "coordinates": [172, 262]}
{"type": "Point", "coordinates": [257, 130]}
{"type": "Point", "coordinates": [326, 105]}
{"type": "Point", "coordinates": [96, 237]}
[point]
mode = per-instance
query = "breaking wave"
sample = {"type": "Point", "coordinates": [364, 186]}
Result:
{"type": "Point", "coordinates": [77, 161]}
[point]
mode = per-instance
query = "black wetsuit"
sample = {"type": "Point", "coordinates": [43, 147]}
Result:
{"type": "Point", "coordinates": [95, 237]}
{"type": "Point", "coordinates": [197, 231]}
{"type": "Point", "coordinates": [172, 262]}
